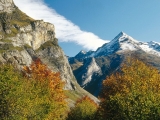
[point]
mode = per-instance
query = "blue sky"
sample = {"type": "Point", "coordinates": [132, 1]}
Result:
{"type": "Point", "coordinates": [94, 22]}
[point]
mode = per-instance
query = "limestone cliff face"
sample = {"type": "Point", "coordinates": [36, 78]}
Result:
{"type": "Point", "coordinates": [53, 56]}
{"type": "Point", "coordinates": [23, 39]}
{"type": "Point", "coordinates": [6, 6]}
{"type": "Point", "coordinates": [34, 34]}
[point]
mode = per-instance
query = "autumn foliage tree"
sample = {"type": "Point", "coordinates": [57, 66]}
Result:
{"type": "Point", "coordinates": [85, 109]}
{"type": "Point", "coordinates": [50, 94]}
{"type": "Point", "coordinates": [9, 84]}
{"type": "Point", "coordinates": [36, 95]}
{"type": "Point", "coordinates": [133, 93]}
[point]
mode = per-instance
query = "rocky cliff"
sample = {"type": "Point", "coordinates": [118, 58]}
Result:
{"type": "Point", "coordinates": [23, 39]}
{"type": "Point", "coordinates": [6, 6]}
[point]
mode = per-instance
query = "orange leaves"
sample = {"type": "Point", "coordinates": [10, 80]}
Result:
{"type": "Point", "coordinates": [50, 88]}
{"type": "Point", "coordinates": [38, 94]}
{"type": "Point", "coordinates": [38, 71]}
{"type": "Point", "coordinates": [48, 81]}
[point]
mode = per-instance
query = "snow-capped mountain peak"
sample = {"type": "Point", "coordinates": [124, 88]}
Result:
{"type": "Point", "coordinates": [123, 43]}
{"type": "Point", "coordinates": [92, 68]}
{"type": "Point", "coordinates": [123, 37]}
{"type": "Point", "coordinates": [120, 37]}
{"type": "Point", "coordinates": [120, 43]}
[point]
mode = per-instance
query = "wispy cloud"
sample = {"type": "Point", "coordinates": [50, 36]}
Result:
{"type": "Point", "coordinates": [66, 31]}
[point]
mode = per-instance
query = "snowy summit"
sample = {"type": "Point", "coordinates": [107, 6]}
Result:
{"type": "Point", "coordinates": [123, 42]}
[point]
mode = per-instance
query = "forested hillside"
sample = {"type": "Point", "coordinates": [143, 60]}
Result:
{"type": "Point", "coordinates": [131, 93]}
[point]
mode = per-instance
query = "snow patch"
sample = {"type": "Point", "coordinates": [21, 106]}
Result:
{"type": "Point", "coordinates": [126, 46]}
{"type": "Point", "coordinates": [92, 68]}
{"type": "Point", "coordinates": [151, 48]}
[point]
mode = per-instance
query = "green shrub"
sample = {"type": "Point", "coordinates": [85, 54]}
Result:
{"type": "Point", "coordinates": [85, 109]}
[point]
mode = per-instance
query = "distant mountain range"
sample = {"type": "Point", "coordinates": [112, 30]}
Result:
{"type": "Point", "coordinates": [91, 68]}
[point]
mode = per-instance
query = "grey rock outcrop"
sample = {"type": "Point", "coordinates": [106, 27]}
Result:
{"type": "Point", "coordinates": [34, 34]}
{"type": "Point", "coordinates": [86, 73]}
{"type": "Point", "coordinates": [7, 6]}
{"type": "Point", "coordinates": [54, 57]}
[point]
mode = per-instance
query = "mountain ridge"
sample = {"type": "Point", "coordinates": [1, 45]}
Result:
{"type": "Point", "coordinates": [110, 56]}
{"type": "Point", "coordinates": [124, 42]}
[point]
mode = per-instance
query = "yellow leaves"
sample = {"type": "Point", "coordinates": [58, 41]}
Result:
{"type": "Point", "coordinates": [37, 94]}
{"type": "Point", "coordinates": [134, 75]}
{"type": "Point", "coordinates": [132, 93]}
{"type": "Point", "coordinates": [50, 85]}
{"type": "Point", "coordinates": [40, 72]}
{"type": "Point", "coordinates": [84, 109]}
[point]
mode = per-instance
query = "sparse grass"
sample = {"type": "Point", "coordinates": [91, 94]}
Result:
{"type": "Point", "coordinates": [18, 48]}
{"type": "Point", "coordinates": [16, 18]}
{"type": "Point", "coordinates": [13, 33]}
{"type": "Point", "coordinates": [47, 44]}
{"type": "Point", "coordinates": [76, 65]}
{"type": "Point", "coordinates": [73, 95]}
{"type": "Point", "coordinates": [14, 30]}
{"type": "Point", "coordinates": [27, 46]}
{"type": "Point", "coordinates": [9, 47]}
{"type": "Point", "coordinates": [6, 41]}
{"type": "Point", "coordinates": [20, 23]}
{"type": "Point", "coordinates": [20, 18]}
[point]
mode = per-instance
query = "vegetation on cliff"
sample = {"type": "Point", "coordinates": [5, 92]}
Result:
{"type": "Point", "coordinates": [11, 22]}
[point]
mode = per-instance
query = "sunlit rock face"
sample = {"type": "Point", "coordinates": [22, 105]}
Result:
{"type": "Point", "coordinates": [23, 40]}
{"type": "Point", "coordinates": [34, 34]}
{"type": "Point", "coordinates": [6, 6]}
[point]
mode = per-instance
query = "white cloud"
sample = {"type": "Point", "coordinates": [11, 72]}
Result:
{"type": "Point", "coordinates": [66, 31]}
